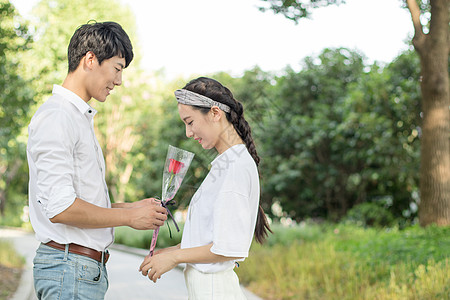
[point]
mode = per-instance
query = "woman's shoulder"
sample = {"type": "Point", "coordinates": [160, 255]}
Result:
{"type": "Point", "coordinates": [240, 171]}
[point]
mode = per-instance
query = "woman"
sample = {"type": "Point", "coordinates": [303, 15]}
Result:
{"type": "Point", "coordinates": [224, 214]}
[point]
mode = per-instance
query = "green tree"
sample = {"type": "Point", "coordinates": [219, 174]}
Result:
{"type": "Point", "coordinates": [55, 22]}
{"type": "Point", "coordinates": [16, 97]}
{"type": "Point", "coordinates": [433, 48]}
{"type": "Point", "coordinates": [298, 137]}
{"type": "Point", "coordinates": [432, 43]}
{"type": "Point", "coordinates": [330, 134]}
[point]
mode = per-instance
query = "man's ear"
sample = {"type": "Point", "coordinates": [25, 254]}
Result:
{"type": "Point", "coordinates": [89, 60]}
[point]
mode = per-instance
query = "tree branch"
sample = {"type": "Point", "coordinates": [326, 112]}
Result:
{"type": "Point", "coordinates": [419, 36]}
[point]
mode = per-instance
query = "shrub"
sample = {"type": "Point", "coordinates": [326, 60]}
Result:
{"type": "Point", "coordinates": [142, 238]}
{"type": "Point", "coordinates": [350, 262]}
{"type": "Point", "coordinates": [9, 257]}
{"type": "Point", "coordinates": [370, 214]}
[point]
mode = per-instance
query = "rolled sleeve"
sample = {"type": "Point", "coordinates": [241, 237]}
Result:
{"type": "Point", "coordinates": [60, 198]}
{"type": "Point", "coordinates": [233, 232]}
{"type": "Point", "coordinates": [51, 143]}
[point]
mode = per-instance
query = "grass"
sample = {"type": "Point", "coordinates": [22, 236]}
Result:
{"type": "Point", "coordinates": [348, 262]}
{"type": "Point", "coordinates": [10, 269]}
{"type": "Point", "coordinates": [338, 262]}
{"type": "Point", "coordinates": [9, 257]}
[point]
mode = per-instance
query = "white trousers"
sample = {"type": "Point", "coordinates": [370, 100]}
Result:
{"type": "Point", "coordinates": [212, 286]}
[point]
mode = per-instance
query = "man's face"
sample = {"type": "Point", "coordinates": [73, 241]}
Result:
{"type": "Point", "coordinates": [105, 77]}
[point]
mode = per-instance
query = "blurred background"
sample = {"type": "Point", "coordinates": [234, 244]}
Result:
{"type": "Point", "coordinates": [333, 96]}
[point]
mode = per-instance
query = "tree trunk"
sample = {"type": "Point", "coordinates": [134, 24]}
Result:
{"type": "Point", "coordinates": [433, 49]}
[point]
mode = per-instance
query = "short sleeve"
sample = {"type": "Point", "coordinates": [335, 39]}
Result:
{"type": "Point", "coordinates": [233, 228]}
{"type": "Point", "coordinates": [51, 145]}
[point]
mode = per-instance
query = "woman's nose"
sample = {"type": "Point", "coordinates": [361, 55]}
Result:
{"type": "Point", "coordinates": [188, 132]}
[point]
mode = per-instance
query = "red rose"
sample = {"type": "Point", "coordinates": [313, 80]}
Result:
{"type": "Point", "coordinates": [175, 166]}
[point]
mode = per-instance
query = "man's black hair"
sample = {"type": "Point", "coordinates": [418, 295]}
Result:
{"type": "Point", "coordinates": [105, 40]}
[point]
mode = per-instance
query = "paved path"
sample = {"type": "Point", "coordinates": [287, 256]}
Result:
{"type": "Point", "coordinates": [125, 282]}
{"type": "Point", "coordinates": [26, 245]}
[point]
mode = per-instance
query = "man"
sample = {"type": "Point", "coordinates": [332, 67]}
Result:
{"type": "Point", "coordinates": [70, 209]}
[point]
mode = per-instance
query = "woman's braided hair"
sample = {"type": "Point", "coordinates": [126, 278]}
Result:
{"type": "Point", "coordinates": [216, 91]}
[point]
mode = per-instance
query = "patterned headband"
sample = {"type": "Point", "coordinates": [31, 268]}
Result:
{"type": "Point", "coordinates": [190, 98]}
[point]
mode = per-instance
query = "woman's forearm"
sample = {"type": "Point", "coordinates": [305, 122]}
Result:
{"type": "Point", "coordinates": [201, 254]}
{"type": "Point", "coordinates": [156, 265]}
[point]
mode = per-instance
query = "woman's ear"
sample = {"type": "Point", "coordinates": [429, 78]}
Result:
{"type": "Point", "coordinates": [216, 113]}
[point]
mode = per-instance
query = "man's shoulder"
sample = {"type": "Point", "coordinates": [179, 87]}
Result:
{"type": "Point", "coordinates": [55, 114]}
{"type": "Point", "coordinates": [53, 106]}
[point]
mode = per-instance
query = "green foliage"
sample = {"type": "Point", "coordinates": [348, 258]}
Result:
{"type": "Point", "coordinates": [9, 256]}
{"type": "Point", "coordinates": [54, 22]}
{"type": "Point", "coordinates": [16, 95]}
{"type": "Point", "coordinates": [296, 9]}
{"type": "Point", "coordinates": [335, 134]}
{"type": "Point", "coordinates": [337, 261]}
{"type": "Point", "coordinates": [16, 201]}
{"type": "Point", "coordinates": [10, 269]}
{"type": "Point", "coordinates": [142, 238]}
{"type": "Point", "coordinates": [336, 129]}
{"type": "Point", "coordinates": [370, 214]}
{"type": "Point", "coordinates": [392, 246]}
{"type": "Point", "coordinates": [348, 262]}
{"type": "Point", "coordinates": [286, 236]}
{"type": "Point", "coordinates": [130, 237]}
{"type": "Point", "coordinates": [16, 98]}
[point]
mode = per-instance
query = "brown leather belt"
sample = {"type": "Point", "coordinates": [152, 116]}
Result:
{"type": "Point", "coordinates": [81, 250]}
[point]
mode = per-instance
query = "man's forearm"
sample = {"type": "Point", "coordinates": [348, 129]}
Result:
{"type": "Point", "coordinates": [86, 215]}
{"type": "Point", "coordinates": [121, 205]}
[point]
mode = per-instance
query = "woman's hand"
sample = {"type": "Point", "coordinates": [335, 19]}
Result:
{"type": "Point", "coordinates": [168, 249]}
{"type": "Point", "coordinates": [166, 259]}
{"type": "Point", "coordinates": [158, 264]}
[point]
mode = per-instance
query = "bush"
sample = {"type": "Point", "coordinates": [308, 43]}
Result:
{"type": "Point", "coordinates": [142, 238]}
{"type": "Point", "coordinates": [369, 215]}
{"type": "Point", "coordinates": [350, 262]}
{"type": "Point", "coordinates": [342, 261]}
{"type": "Point", "coordinates": [414, 243]}
{"type": "Point", "coordinates": [286, 236]}
{"type": "Point", "coordinates": [9, 257]}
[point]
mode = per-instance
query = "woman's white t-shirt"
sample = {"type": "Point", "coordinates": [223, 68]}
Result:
{"type": "Point", "coordinates": [223, 211]}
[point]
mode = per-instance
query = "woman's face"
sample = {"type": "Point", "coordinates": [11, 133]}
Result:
{"type": "Point", "coordinates": [201, 127]}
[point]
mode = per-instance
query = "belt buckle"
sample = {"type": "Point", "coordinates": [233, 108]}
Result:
{"type": "Point", "coordinates": [105, 256]}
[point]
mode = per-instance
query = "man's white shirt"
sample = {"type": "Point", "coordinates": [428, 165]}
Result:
{"type": "Point", "coordinates": [65, 162]}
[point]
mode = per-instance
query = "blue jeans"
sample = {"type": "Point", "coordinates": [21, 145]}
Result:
{"type": "Point", "coordinates": [63, 275]}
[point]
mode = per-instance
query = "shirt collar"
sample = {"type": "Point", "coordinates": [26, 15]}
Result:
{"type": "Point", "coordinates": [73, 98]}
{"type": "Point", "coordinates": [227, 155]}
